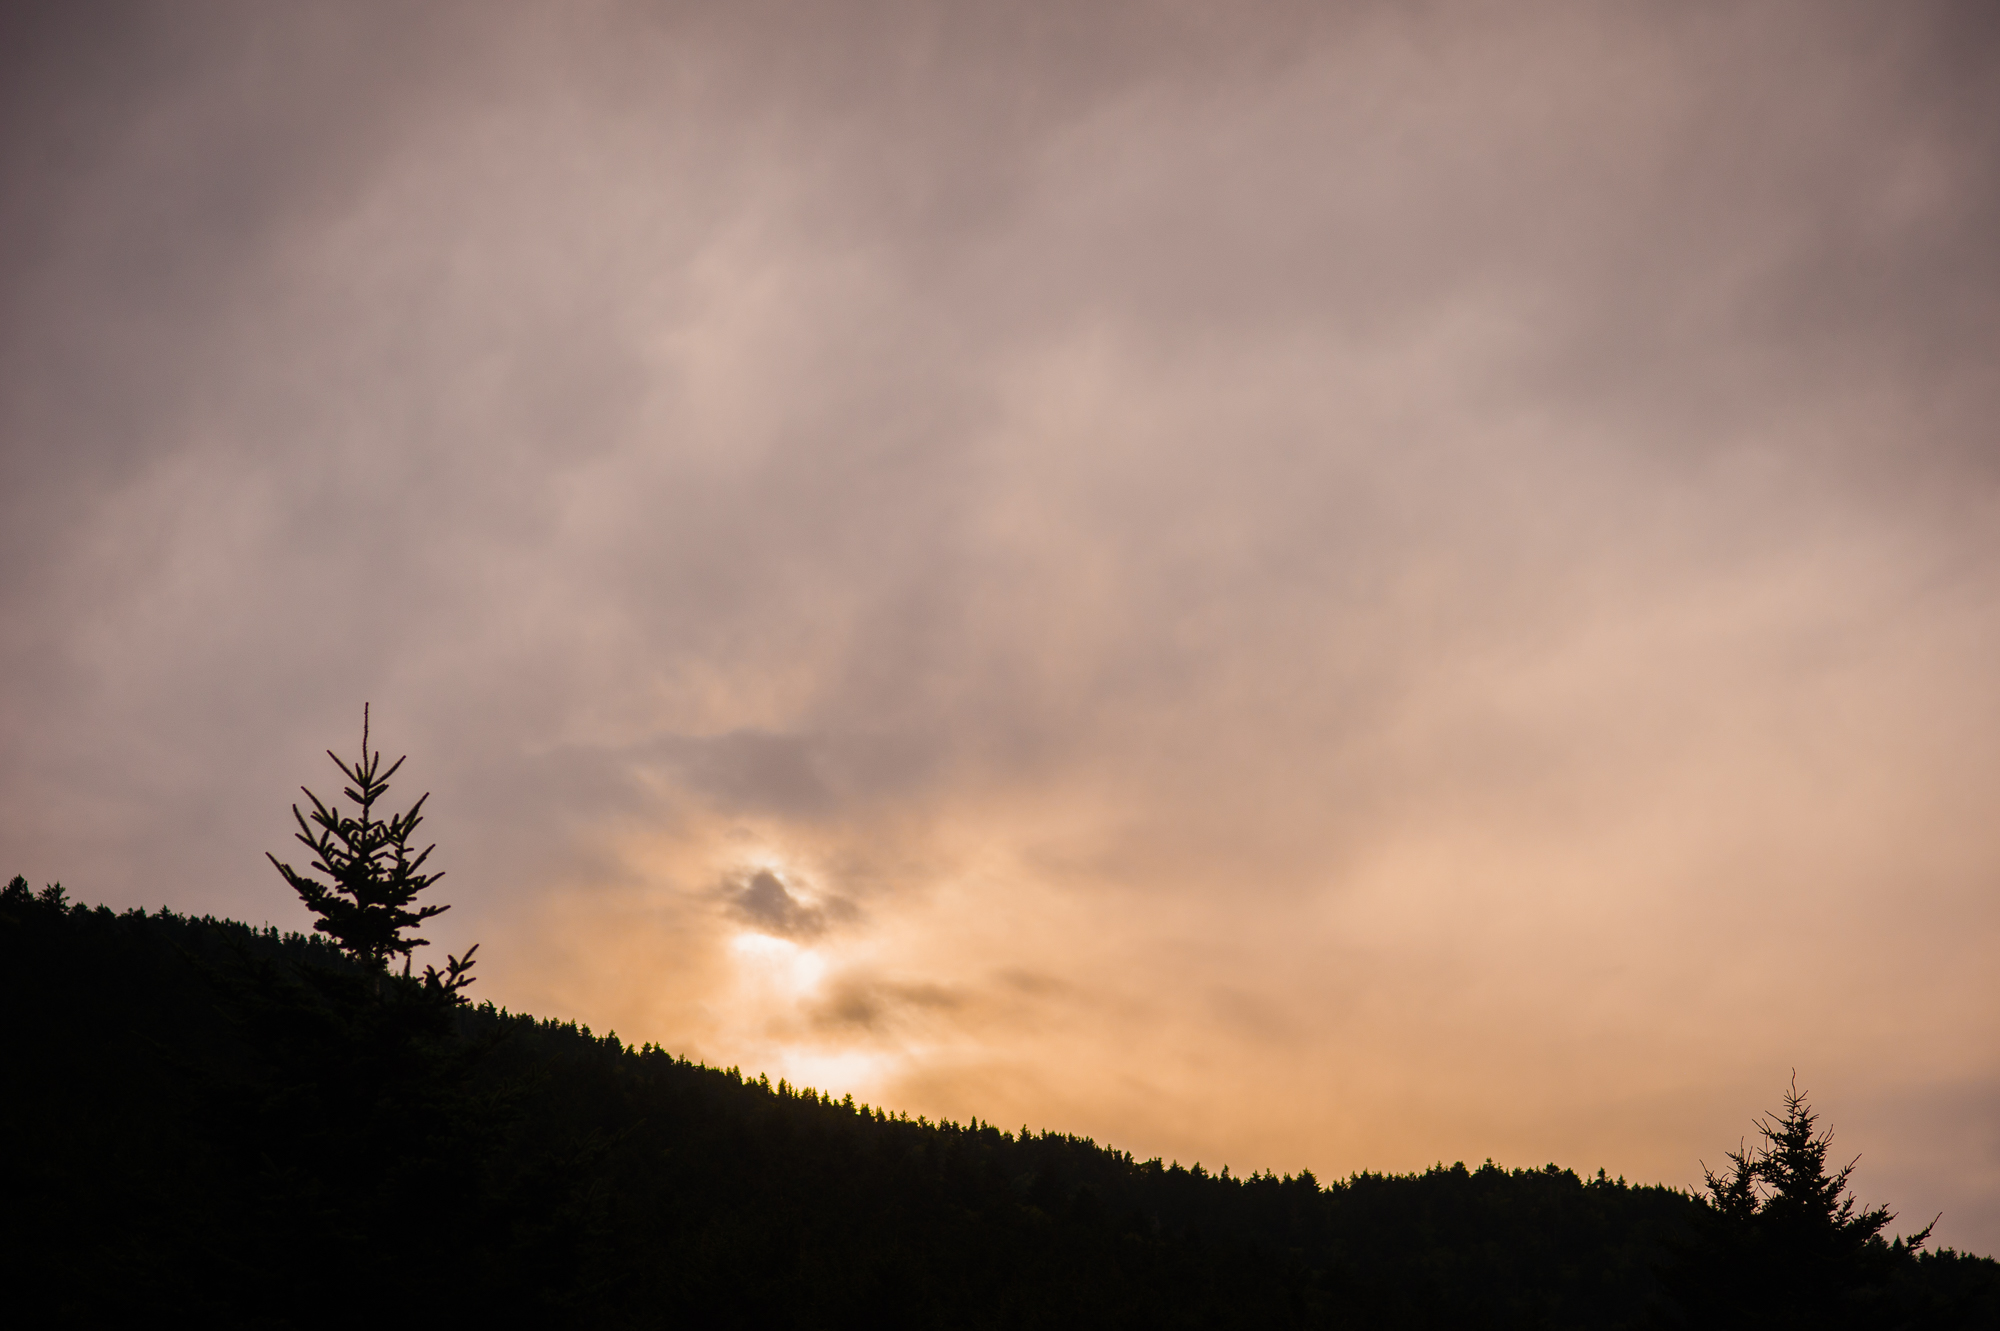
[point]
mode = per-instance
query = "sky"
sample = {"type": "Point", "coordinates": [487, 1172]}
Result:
{"type": "Point", "coordinates": [1292, 586]}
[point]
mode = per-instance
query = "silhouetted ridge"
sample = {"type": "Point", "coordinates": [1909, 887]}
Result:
{"type": "Point", "coordinates": [261, 1130]}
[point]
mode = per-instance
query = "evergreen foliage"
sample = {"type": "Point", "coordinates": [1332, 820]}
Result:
{"type": "Point", "coordinates": [275, 1130]}
{"type": "Point", "coordinates": [1780, 1242]}
{"type": "Point", "coordinates": [369, 907]}
{"type": "Point", "coordinates": [261, 1129]}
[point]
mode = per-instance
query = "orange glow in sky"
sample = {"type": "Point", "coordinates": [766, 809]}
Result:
{"type": "Point", "coordinates": [1281, 585]}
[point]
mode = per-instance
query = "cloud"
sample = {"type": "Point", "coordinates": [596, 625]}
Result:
{"type": "Point", "coordinates": [1324, 587]}
{"type": "Point", "coordinates": [763, 901]}
{"type": "Point", "coordinates": [870, 1003]}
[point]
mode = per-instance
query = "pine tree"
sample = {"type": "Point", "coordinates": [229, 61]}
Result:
{"type": "Point", "coordinates": [1785, 1244]}
{"type": "Point", "coordinates": [1802, 1195]}
{"type": "Point", "coordinates": [369, 907]}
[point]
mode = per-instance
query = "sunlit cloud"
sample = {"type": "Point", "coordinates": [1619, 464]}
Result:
{"type": "Point", "coordinates": [1296, 586]}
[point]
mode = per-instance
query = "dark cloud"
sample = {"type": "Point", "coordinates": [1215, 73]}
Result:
{"type": "Point", "coordinates": [871, 1004]}
{"type": "Point", "coordinates": [764, 902]}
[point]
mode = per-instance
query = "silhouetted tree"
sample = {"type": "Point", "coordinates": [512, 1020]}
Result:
{"type": "Point", "coordinates": [371, 902]}
{"type": "Point", "coordinates": [1783, 1242]}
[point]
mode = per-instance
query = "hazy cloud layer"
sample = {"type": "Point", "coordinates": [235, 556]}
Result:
{"type": "Point", "coordinates": [1299, 585]}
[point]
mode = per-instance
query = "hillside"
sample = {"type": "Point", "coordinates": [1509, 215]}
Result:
{"type": "Point", "coordinates": [248, 1126]}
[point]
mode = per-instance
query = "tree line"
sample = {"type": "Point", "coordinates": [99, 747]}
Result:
{"type": "Point", "coordinates": [288, 1130]}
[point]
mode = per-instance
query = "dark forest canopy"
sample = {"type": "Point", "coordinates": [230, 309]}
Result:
{"type": "Point", "coordinates": [261, 1130]}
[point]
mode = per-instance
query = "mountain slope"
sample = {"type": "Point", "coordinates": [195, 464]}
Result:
{"type": "Point", "coordinates": [246, 1125]}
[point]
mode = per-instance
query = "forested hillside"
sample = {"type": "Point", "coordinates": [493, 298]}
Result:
{"type": "Point", "coordinates": [259, 1130]}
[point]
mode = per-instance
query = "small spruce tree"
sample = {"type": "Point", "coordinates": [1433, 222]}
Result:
{"type": "Point", "coordinates": [369, 908]}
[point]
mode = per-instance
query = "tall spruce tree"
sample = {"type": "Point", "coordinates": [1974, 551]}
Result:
{"type": "Point", "coordinates": [1784, 1243]}
{"type": "Point", "coordinates": [369, 908]}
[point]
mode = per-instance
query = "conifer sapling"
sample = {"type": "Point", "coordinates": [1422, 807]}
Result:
{"type": "Point", "coordinates": [370, 904]}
